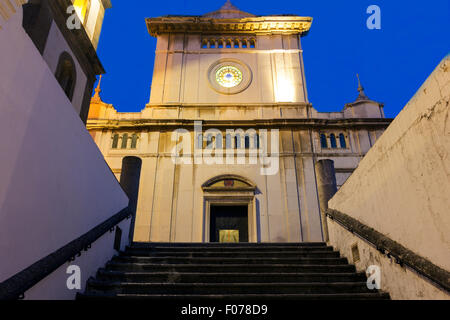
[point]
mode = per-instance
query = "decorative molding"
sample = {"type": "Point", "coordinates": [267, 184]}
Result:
{"type": "Point", "coordinates": [169, 125]}
{"type": "Point", "coordinates": [212, 181]}
{"type": "Point", "coordinates": [247, 76]}
{"type": "Point", "coordinates": [254, 25]}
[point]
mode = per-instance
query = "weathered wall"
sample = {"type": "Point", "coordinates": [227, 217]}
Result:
{"type": "Point", "coordinates": [402, 283]}
{"type": "Point", "coordinates": [54, 183]}
{"type": "Point", "coordinates": [402, 187]}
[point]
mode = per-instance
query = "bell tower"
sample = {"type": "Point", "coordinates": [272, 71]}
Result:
{"type": "Point", "coordinates": [228, 57]}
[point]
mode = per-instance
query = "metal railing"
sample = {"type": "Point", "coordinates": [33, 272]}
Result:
{"type": "Point", "coordinates": [392, 249]}
{"type": "Point", "coordinates": [15, 287]}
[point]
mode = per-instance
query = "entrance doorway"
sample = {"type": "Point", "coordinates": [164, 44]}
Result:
{"type": "Point", "coordinates": [229, 223]}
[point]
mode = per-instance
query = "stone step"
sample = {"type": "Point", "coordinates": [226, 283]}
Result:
{"type": "Point", "coordinates": [149, 245]}
{"type": "Point", "coordinates": [109, 275]}
{"type": "Point", "coordinates": [229, 260]}
{"type": "Point", "coordinates": [95, 285]}
{"type": "Point", "coordinates": [257, 298]}
{"type": "Point", "coordinates": [292, 249]}
{"type": "Point", "coordinates": [238, 254]}
{"type": "Point", "coordinates": [239, 272]}
{"type": "Point", "coordinates": [242, 268]}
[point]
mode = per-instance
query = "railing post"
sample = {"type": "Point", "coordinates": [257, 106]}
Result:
{"type": "Point", "coordinates": [326, 189]}
{"type": "Point", "coordinates": [129, 180]}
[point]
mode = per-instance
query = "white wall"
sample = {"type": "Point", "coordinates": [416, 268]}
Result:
{"type": "Point", "coordinates": [54, 182]}
{"type": "Point", "coordinates": [402, 187]}
{"type": "Point", "coordinates": [54, 286]}
{"type": "Point", "coordinates": [57, 44]}
{"type": "Point", "coordinates": [400, 282]}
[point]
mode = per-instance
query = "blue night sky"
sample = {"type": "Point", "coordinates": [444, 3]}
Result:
{"type": "Point", "coordinates": [393, 62]}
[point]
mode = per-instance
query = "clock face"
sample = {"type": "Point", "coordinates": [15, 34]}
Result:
{"type": "Point", "coordinates": [228, 76]}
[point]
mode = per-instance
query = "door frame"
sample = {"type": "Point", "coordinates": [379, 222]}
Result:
{"type": "Point", "coordinates": [239, 193]}
{"type": "Point", "coordinates": [230, 199]}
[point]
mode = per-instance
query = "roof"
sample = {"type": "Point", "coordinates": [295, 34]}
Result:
{"type": "Point", "coordinates": [228, 11]}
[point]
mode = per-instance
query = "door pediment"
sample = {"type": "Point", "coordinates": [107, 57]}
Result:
{"type": "Point", "coordinates": [229, 183]}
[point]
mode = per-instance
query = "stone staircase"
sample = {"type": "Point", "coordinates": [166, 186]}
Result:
{"type": "Point", "coordinates": [245, 271]}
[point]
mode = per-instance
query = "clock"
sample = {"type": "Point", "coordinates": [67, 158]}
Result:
{"type": "Point", "coordinates": [229, 76]}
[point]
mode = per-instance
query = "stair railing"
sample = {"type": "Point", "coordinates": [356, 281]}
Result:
{"type": "Point", "coordinates": [15, 287]}
{"type": "Point", "coordinates": [392, 249]}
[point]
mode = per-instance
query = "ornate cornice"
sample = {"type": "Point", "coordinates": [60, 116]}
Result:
{"type": "Point", "coordinates": [165, 124]}
{"type": "Point", "coordinates": [254, 25]}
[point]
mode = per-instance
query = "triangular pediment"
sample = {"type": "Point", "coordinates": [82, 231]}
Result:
{"type": "Point", "coordinates": [228, 11]}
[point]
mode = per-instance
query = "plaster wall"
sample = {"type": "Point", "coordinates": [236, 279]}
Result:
{"type": "Point", "coordinates": [54, 183]}
{"type": "Point", "coordinates": [56, 44]}
{"type": "Point", "coordinates": [402, 187]}
{"type": "Point", "coordinates": [54, 286]}
{"type": "Point", "coordinates": [402, 283]}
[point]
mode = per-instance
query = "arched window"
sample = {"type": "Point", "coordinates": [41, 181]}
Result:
{"type": "Point", "coordinates": [333, 141]}
{"type": "Point", "coordinates": [200, 141]}
{"type": "Point", "coordinates": [212, 44]}
{"type": "Point", "coordinates": [236, 44]}
{"type": "Point", "coordinates": [220, 44]}
{"type": "Point", "coordinates": [115, 143]}
{"type": "Point", "coordinates": [257, 141]}
{"type": "Point", "coordinates": [219, 141]}
{"type": "Point", "coordinates": [209, 141]}
{"type": "Point", "coordinates": [323, 141]}
{"type": "Point", "coordinates": [342, 141]}
{"type": "Point", "coordinates": [237, 141]}
{"type": "Point", "coordinates": [228, 45]}
{"type": "Point", "coordinates": [204, 44]}
{"type": "Point", "coordinates": [66, 74]}
{"type": "Point", "coordinates": [247, 142]}
{"type": "Point", "coordinates": [124, 141]}
{"type": "Point", "coordinates": [228, 141]}
{"type": "Point", "coordinates": [244, 44]}
{"type": "Point", "coordinates": [252, 43]}
{"type": "Point", "coordinates": [134, 139]}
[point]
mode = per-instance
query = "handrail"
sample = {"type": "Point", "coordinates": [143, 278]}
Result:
{"type": "Point", "coordinates": [391, 248]}
{"type": "Point", "coordinates": [16, 286]}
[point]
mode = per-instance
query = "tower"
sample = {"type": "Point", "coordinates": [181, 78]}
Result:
{"type": "Point", "coordinates": [261, 56]}
{"type": "Point", "coordinates": [66, 33]}
{"type": "Point", "coordinates": [229, 141]}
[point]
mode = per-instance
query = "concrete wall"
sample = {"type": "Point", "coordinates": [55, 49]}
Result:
{"type": "Point", "coordinates": [402, 187]}
{"type": "Point", "coordinates": [54, 183]}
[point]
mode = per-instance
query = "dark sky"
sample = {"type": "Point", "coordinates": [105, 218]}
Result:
{"type": "Point", "coordinates": [393, 62]}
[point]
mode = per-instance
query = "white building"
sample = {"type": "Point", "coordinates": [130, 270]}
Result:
{"type": "Point", "coordinates": [230, 70]}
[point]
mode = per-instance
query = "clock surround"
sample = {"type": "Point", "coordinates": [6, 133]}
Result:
{"type": "Point", "coordinates": [229, 76]}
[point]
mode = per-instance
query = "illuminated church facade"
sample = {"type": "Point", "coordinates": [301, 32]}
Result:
{"type": "Point", "coordinates": [229, 141]}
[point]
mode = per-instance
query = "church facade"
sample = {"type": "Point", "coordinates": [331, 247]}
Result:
{"type": "Point", "coordinates": [229, 140]}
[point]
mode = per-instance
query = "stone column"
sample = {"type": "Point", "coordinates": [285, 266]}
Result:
{"type": "Point", "coordinates": [129, 180]}
{"type": "Point", "coordinates": [326, 188]}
